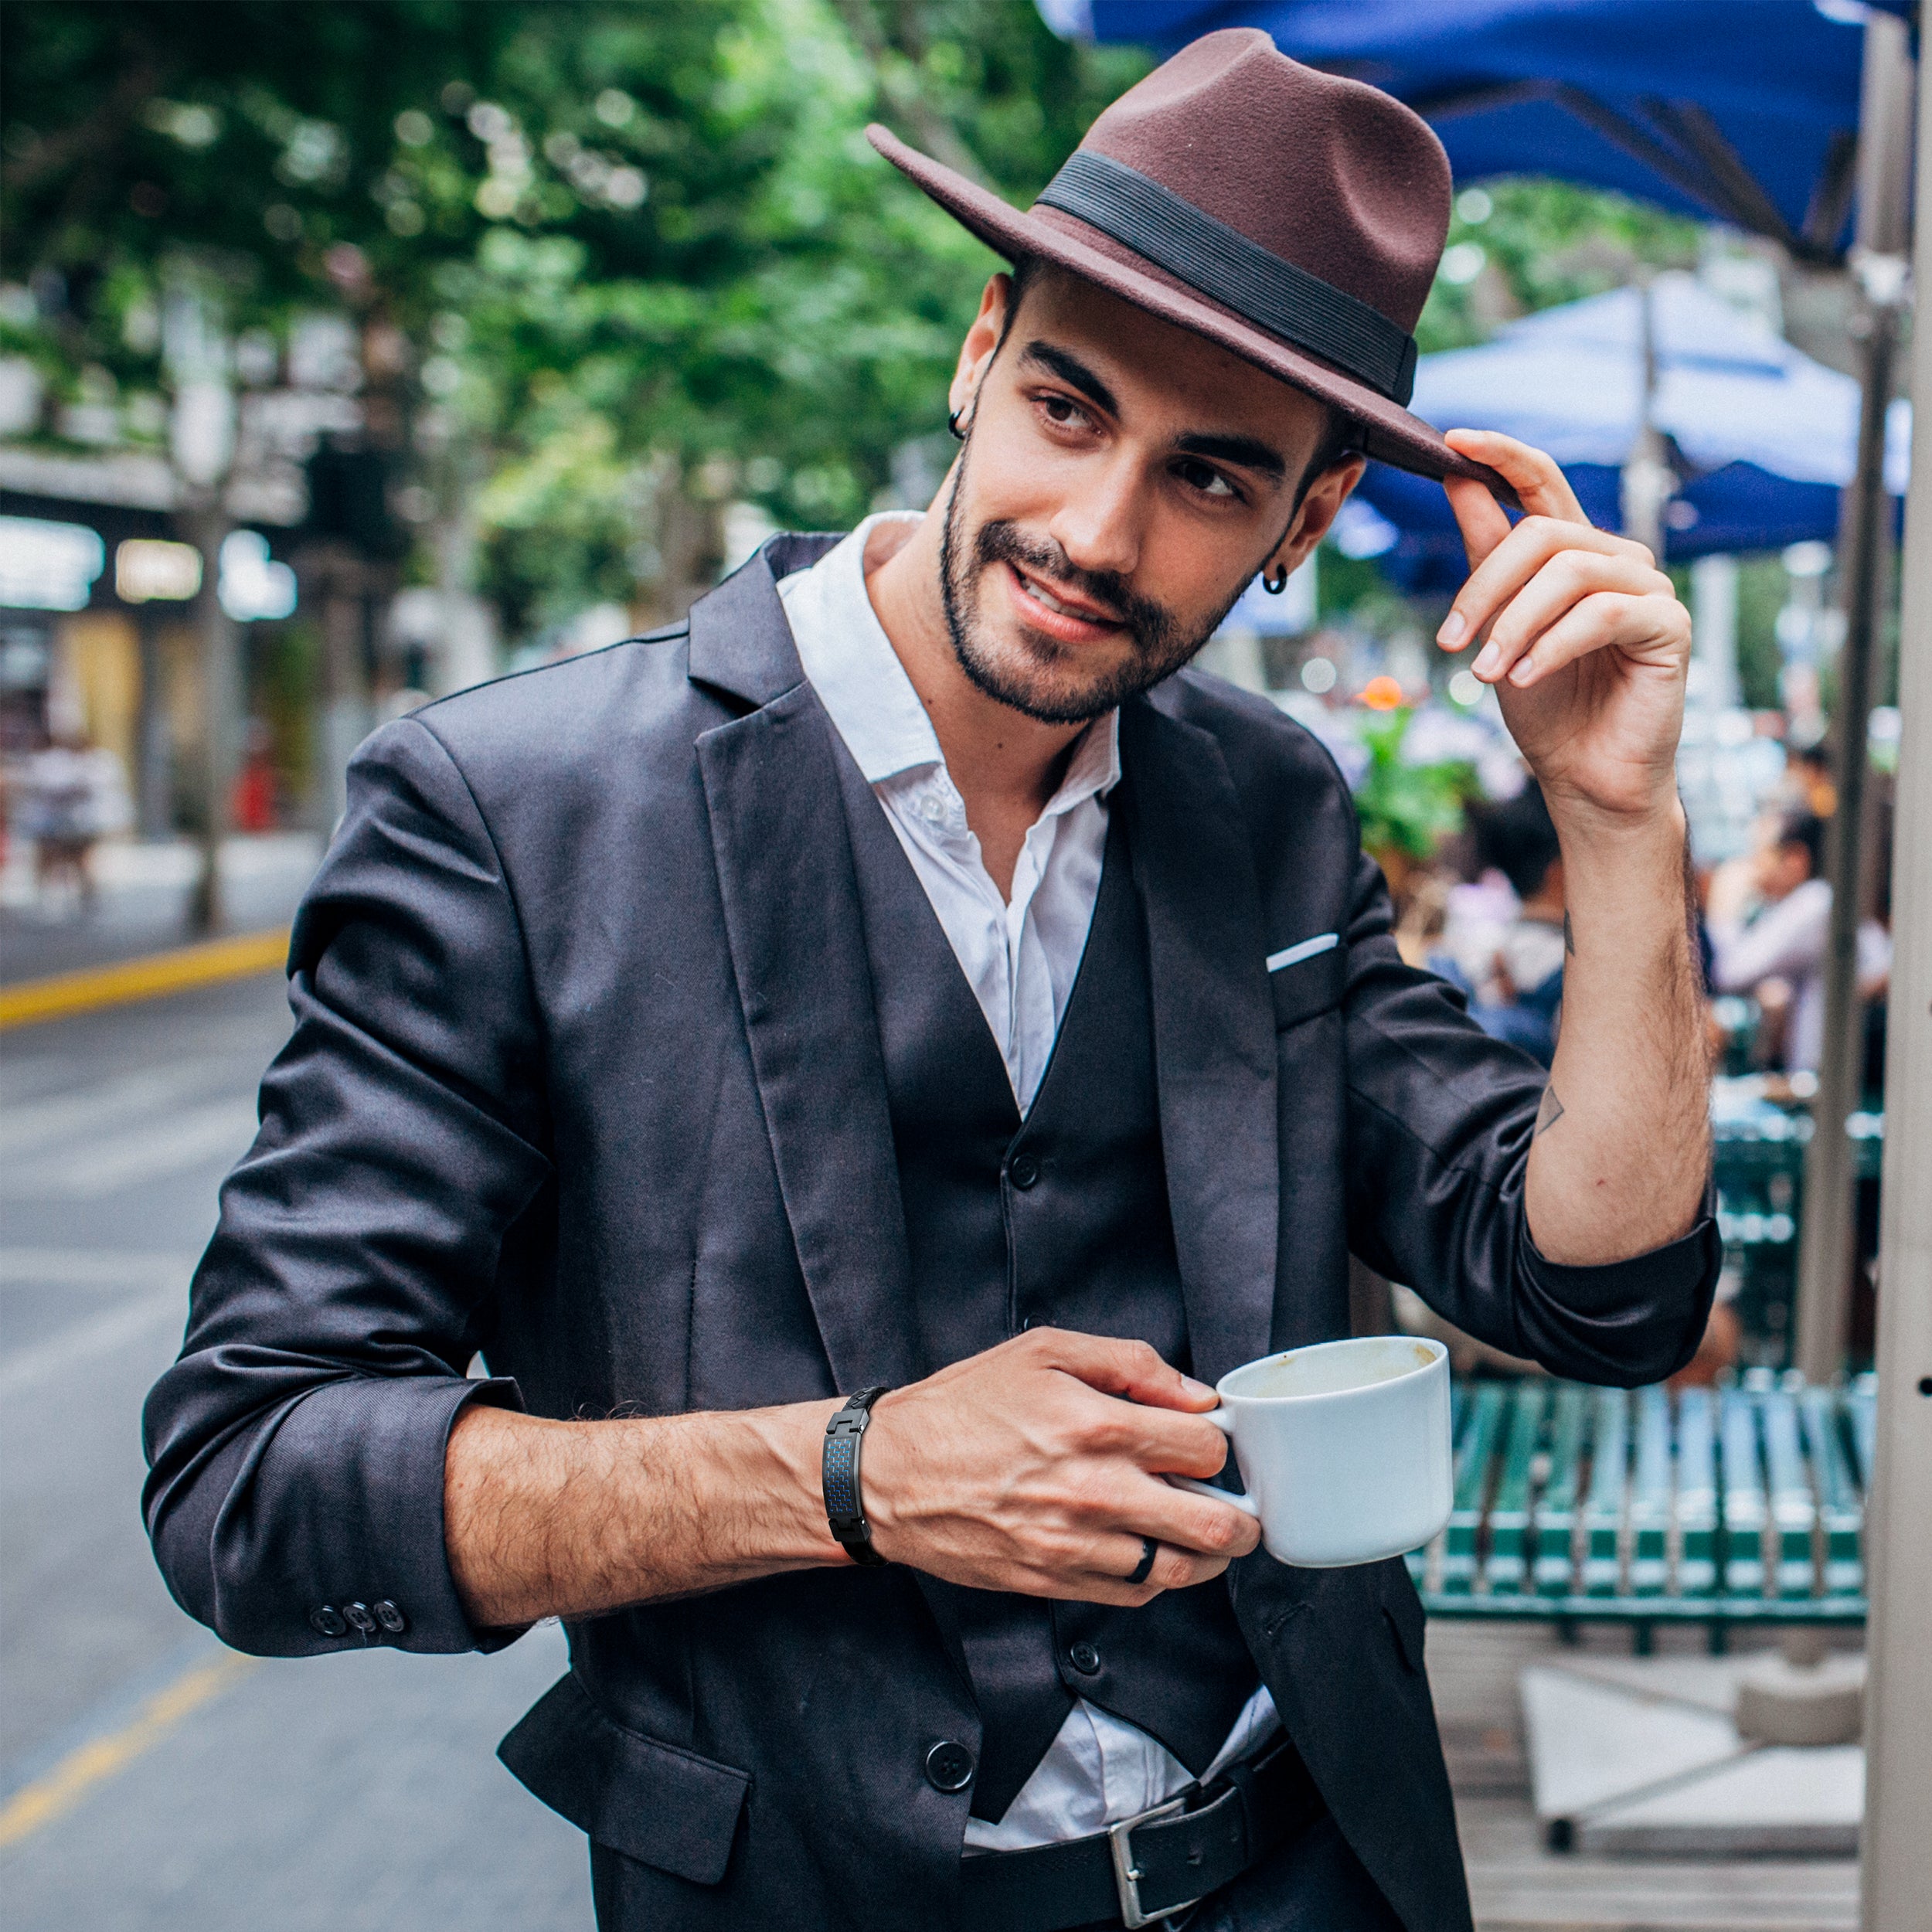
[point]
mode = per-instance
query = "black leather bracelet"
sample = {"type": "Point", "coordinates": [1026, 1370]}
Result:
{"type": "Point", "coordinates": [845, 1507]}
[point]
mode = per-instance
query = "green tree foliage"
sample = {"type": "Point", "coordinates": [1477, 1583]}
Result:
{"type": "Point", "coordinates": [251, 138]}
{"type": "Point", "coordinates": [639, 257]}
{"type": "Point", "coordinates": [1526, 243]}
{"type": "Point", "coordinates": [1762, 587]}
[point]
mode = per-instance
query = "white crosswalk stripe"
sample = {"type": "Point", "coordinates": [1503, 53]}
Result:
{"type": "Point", "coordinates": [86, 1169]}
{"type": "Point", "coordinates": [27, 1126]}
{"type": "Point", "coordinates": [92, 1267]}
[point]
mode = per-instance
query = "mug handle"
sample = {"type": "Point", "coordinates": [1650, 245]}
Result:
{"type": "Point", "coordinates": [1240, 1498]}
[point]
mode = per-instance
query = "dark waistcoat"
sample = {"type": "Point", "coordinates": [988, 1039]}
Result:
{"type": "Point", "coordinates": [1061, 1219]}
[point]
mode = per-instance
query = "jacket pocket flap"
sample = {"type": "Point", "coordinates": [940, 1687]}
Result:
{"type": "Point", "coordinates": [655, 1803]}
{"type": "Point", "coordinates": [1309, 986]}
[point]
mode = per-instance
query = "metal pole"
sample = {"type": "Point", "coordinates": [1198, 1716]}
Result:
{"type": "Point", "coordinates": [1647, 482]}
{"type": "Point", "coordinates": [154, 786]}
{"type": "Point", "coordinates": [1714, 627]}
{"type": "Point", "coordinates": [1896, 1844]}
{"type": "Point", "coordinates": [222, 699]}
{"type": "Point", "coordinates": [1825, 1259]}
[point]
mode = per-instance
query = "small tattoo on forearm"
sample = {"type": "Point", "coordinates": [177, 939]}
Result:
{"type": "Point", "coordinates": [1570, 937]}
{"type": "Point", "coordinates": [1549, 1113]}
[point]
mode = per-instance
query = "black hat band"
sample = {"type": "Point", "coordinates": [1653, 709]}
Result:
{"type": "Point", "coordinates": [1222, 263]}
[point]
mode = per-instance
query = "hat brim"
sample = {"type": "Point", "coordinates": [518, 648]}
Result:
{"type": "Point", "coordinates": [1391, 433]}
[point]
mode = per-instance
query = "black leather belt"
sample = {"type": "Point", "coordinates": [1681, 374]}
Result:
{"type": "Point", "coordinates": [1144, 1868]}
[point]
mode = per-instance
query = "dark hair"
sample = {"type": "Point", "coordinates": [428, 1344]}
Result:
{"type": "Point", "coordinates": [1518, 837]}
{"type": "Point", "coordinates": [1341, 436]}
{"type": "Point", "coordinates": [1026, 271]}
{"type": "Point", "coordinates": [1806, 828]}
{"type": "Point", "coordinates": [1341, 440]}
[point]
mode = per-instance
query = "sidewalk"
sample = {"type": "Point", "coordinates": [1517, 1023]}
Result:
{"type": "Point", "coordinates": [143, 893]}
{"type": "Point", "coordinates": [1518, 1884]}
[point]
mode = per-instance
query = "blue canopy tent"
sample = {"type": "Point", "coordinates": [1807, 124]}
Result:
{"type": "Point", "coordinates": [1744, 111]}
{"type": "Point", "coordinates": [1764, 439]}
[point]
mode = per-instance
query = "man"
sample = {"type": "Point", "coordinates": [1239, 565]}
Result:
{"type": "Point", "coordinates": [906, 976]}
{"type": "Point", "coordinates": [1519, 838]}
{"type": "Point", "coordinates": [1785, 942]}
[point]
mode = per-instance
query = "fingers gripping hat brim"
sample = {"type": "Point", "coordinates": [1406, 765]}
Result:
{"type": "Point", "coordinates": [1389, 432]}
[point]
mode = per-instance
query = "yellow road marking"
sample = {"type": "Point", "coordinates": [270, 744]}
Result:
{"type": "Point", "coordinates": [60, 994]}
{"type": "Point", "coordinates": [38, 1804]}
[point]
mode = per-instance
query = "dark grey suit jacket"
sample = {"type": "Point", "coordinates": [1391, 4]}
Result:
{"type": "Point", "coordinates": [585, 1076]}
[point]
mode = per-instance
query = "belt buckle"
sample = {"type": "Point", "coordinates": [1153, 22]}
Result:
{"type": "Point", "coordinates": [1127, 1875]}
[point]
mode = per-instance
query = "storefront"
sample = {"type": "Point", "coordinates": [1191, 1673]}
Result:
{"type": "Point", "coordinates": [98, 637]}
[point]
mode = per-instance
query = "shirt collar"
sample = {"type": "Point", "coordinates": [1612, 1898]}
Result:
{"type": "Point", "coordinates": [864, 688]}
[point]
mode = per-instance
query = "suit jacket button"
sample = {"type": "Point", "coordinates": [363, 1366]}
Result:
{"type": "Point", "coordinates": [1023, 1171]}
{"type": "Point", "coordinates": [326, 1620]}
{"type": "Point", "coordinates": [359, 1617]}
{"type": "Point", "coordinates": [949, 1766]}
{"type": "Point", "coordinates": [1084, 1659]}
{"type": "Point", "coordinates": [390, 1618]}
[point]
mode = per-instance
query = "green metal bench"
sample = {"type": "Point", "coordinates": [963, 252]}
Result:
{"type": "Point", "coordinates": [1715, 1507]}
{"type": "Point", "coordinates": [1760, 1172]}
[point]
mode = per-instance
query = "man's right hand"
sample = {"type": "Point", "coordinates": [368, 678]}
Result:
{"type": "Point", "coordinates": [1036, 1468]}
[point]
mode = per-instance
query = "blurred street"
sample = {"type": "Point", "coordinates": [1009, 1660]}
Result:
{"type": "Point", "coordinates": [165, 1783]}
{"type": "Point", "coordinates": [142, 893]}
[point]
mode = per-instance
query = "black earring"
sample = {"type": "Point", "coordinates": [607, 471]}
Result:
{"type": "Point", "coordinates": [952, 422]}
{"type": "Point", "coordinates": [1276, 583]}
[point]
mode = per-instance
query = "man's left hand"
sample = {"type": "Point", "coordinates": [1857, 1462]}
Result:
{"type": "Point", "coordinates": [1584, 639]}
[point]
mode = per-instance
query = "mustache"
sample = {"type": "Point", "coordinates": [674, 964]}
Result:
{"type": "Point", "coordinates": [1151, 624]}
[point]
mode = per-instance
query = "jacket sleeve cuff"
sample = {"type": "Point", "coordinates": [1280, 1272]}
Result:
{"type": "Point", "coordinates": [1624, 1323]}
{"type": "Point", "coordinates": [336, 1539]}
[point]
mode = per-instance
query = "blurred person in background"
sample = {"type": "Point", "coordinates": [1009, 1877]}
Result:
{"type": "Point", "coordinates": [252, 803]}
{"type": "Point", "coordinates": [1422, 920]}
{"type": "Point", "coordinates": [1777, 953]}
{"type": "Point", "coordinates": [1808, 782]}
{"type": "Point", "coordinates": [73, 793]}
{"type": "Point", "coordinates": [904, 998]}
{"type": "Point", "coordinates": [1521, 1003]}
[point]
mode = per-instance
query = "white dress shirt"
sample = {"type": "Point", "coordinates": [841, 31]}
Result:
{"type": "Point", "coordinates": [1020, 956]}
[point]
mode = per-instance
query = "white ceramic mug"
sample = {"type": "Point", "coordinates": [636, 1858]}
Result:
{"type": "Point", "coordinates": [1343, 1448]}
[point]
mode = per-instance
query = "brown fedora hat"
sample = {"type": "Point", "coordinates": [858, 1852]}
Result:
{"type": "Point", "coordinates": [1292, 216]}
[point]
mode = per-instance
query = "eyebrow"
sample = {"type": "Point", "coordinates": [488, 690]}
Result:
{"type": "Point", "coordinates": [1071, 371]}
{"type": "Point", "coordinates": [1246, 452]}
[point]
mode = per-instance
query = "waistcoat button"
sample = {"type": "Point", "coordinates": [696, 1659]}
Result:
{"type": "Point", "coordinates": [949, 1766]}
{"type": "Point", "coordinates": [1023, 1171]}
{"type": "Point", "coordinates": [1084, 1659]}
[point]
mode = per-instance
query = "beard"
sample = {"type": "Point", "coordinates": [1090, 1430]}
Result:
{"type": "Point", "coordinates": [1042, 677]}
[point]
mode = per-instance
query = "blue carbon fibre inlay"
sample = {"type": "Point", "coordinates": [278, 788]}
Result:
{"type": "Point", "coordinates": [842, 1496]}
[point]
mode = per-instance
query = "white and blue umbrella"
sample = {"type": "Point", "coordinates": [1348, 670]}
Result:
{"type": "Point", "coordinates": [1764, 437]}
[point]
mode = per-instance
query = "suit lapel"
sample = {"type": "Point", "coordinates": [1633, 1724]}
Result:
{"type": "Point", "coordinates": [1214, 1043]}
{"type": "Point", "coordinates": [739, 640]}
{"type": "Point", "coordinates": [790, 897]}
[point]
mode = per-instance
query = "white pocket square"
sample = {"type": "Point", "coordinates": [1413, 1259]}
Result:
{"type": "Point", "coordinates": [1305, 949]}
